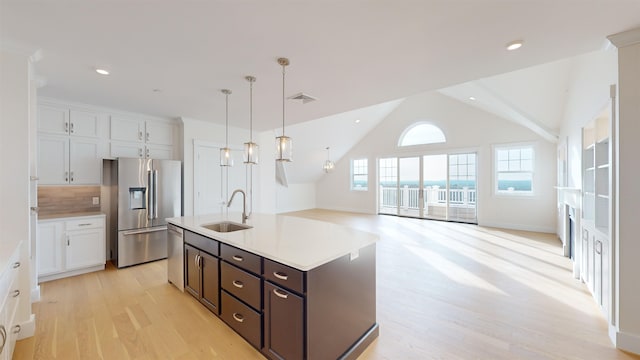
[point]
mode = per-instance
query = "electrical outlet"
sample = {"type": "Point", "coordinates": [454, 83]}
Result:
{"type": "Point", "coordinates": [96, 200]}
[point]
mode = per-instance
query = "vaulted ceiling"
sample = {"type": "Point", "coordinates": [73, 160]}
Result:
{"type": "Point", "coordinates": [348, 54]}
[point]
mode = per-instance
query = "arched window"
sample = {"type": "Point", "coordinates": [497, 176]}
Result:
{"type": "Point", "coordinates": [420, 134]}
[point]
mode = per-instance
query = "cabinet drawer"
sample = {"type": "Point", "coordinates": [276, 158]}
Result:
{"type": "Point", "coordinates": [244, 320]}
{"type": "Point", "coordinates": [283, 275]}
{"type": "Point", "coordinates": [241, 258]}
{"type": "Point", "coordinates": [201, 242]}
{"type": "Point", "coordinates": [242, 284]}
{"type": "Point", "coordinates": [86, 223]}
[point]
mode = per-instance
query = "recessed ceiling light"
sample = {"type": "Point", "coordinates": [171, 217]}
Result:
{"type": "Point", "coordinates": [102, 71]}
{"type": "Point", "coordinates": [514, 45]}
{"type": "Point", "coordinates": [357, 121]}
{"type": "Point", "coordinates": [472, 98]}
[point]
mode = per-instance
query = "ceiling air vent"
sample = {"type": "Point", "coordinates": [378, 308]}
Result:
{"type": "Point", "coordinates": [304, 97]}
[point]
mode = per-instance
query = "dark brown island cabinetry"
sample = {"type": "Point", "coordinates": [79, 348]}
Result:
{"type": "Point", "coordinates": [201, 270]}
{"type": "Point", "coordinates": [326, 312]}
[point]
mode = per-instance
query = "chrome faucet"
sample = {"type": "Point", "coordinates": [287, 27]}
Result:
{"type": "Point", "coordinates": [244, 203]}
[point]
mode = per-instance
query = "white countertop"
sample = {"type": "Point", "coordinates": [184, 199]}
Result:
{"type": "Point", "coordinates": [297, 242]}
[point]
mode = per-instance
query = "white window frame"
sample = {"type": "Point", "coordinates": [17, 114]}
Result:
{"type": "Point", "coordinates": [496, 172]}
{"type": "Point", "coordinates": [353, 174]}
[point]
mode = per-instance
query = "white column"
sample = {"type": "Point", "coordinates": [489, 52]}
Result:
{"type": "Point", "coordinates": [626, 330]}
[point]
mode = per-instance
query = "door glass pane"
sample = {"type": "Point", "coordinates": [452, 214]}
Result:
{"type": "Point", "coordinates": [434, 174]}
{"type": "Point", "coordinates": [462, 188]}
{"type": "Point", "coordinates": [409, 187]}
{"type": "Point", "coordinates": [388, 183]}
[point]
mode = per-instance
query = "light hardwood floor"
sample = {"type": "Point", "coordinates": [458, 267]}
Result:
{"type": "Point", "coordinates": [445, 291]}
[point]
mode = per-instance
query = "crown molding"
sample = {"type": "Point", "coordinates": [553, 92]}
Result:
{"type": "Point", "coordinates": [625, 38]}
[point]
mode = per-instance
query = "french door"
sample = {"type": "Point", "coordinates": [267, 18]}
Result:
{"type": "Point", "coordinates": [441, 187]}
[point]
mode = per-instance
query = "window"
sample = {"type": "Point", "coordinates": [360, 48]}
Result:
{"type": "Point", "coordinates": [421, 134]}
{"type": "Point", "coordinates": [359, 174]}
{"type": "Point", "coordinates": [514, 169]}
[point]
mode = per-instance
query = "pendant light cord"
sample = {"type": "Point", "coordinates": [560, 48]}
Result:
{"type": "Point", "coordinates": [251, 111]}
{"type": "Point", "coordinates": [283, 66]}
{"type": "Point", "coordinates": [227, 122]}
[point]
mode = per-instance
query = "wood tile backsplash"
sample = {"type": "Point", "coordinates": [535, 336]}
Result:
{"type": "Point", "coordinates": [67, 199]}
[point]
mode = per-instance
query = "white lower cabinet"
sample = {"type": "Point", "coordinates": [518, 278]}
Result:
{"type": "Point", "coordinates": [70, 246]}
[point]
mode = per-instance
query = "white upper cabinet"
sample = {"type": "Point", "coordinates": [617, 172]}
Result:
{"type": "Point", "coordinates": [53, 120]}
{"type": "Point", "coordinates": [132, 137]}
{"type": "Point", "coordinates": [61, 120]}
{"type": "Point", "coordinates": [53, 160]}
{"type": "Point", "coordinates": [127, 129]}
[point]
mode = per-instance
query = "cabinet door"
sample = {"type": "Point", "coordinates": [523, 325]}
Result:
{"type": "Point", "coordinates": [53, 120]}
{"type": "Point", "coordinates": [85, 248]}
{"type": "Point", "coordinates": [53, 160]}
{"type": "Point", "coordinates": [210, 282]}
{"type": "Point", "coordinates": [597, 271]}
{"type": "Point", "coordinates": [85, 165]}
{"type": "Point", "coordinates": [49, 248]}
{"type": "Point", "coordinates": [162, 152]}
{"type": "Point", "coordinates": [159, 133]}
{"type": "Point", "coordinates": [84, 123]}
{"type": "Point", "coordinates": [126, 150]}
{"type": "Point", "coordinates": [283, 323]}
{"type": "Point", "coordinates": [127, 129]}
{"type": "Point", "coordinates": [192, 271]}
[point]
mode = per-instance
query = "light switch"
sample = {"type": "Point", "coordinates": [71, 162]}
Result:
{"type": "Point", "coordinates": [96, 200]}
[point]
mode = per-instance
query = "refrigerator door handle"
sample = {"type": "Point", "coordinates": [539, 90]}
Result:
{"type": "Point", "coordinates": [144, 231]}
{"type": "Point", "coordinates": [155, 194]}
{"type": "Point", "coordinates": [149, 195]}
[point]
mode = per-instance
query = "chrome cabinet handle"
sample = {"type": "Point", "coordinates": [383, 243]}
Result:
{"type": "Point", "coordinates": [238, 284]}
{"type": "Point", "coordinates": [72, 176]}
{"type": "Point", "coordinates": [197, 261]}
{"type": "Point", "coordinates": [280, 294]}
{"type": "Point", "coordinates": [16, 329]}
{"type": "Point", "coordinates": [16, 264]}
{"type": "Point", "coordinates": [237, 258]}
{"type": "Point", "coordinates": [66, 127]}
{"type": "Point", "coordinates": [16, 293]}
{"type": "Point", "coordinates": [148, 154]}
{"type": "Point", "coordinates": [139, 135]}
{"type": "Point", "coordinates": [238, 317]}
{"type": "Point", "coordinates": [71, 128]}
{"type": "Point", "coordinates": [68, 241]}
{"type": "Point", "coordinates": [140, 152]}
{"type": "Point", "coordinates": [84, 224]}
{"type": "Point", "coordinates": [280, 275]}
{"type": "Point", "coordinates": [66, 176]}
{"type": "Point", "coordinates": [147, 137]}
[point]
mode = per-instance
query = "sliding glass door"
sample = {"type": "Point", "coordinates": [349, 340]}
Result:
{"type": "Point", "coordinates": [441, 187]}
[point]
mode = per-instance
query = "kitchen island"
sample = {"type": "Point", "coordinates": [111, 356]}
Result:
{"type": "Point", "coordinates": [294, 288]}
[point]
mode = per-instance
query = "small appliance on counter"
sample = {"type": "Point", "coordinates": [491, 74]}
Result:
{"type": "Point", "coordinates": [144, 193]}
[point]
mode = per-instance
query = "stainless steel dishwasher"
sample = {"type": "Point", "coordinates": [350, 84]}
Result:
{"type": "Point", "coordinates": [175, 258]}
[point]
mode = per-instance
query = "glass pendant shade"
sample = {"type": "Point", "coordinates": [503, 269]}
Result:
{"type": "Point", "coordinates": [225, 157]}
{"type": "Point", "coordinates": [251, 151]}
{"type": "Point", "coordinates": [328, 164]}
{"type": "Point", "coordinates": [283, 148]}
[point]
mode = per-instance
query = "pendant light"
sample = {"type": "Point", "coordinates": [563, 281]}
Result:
{"type": "Point", "coordinates": [225, 152]}
{"type": "Point", "coordinates": [251, 148]}
{"type": "Point", "coordinates": [283, 143]}
{"type": "Point", "coordinates": [328, 165]}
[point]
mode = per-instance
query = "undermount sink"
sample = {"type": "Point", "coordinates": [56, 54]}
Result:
{"type": "Point", "coordinates": [226, 226]}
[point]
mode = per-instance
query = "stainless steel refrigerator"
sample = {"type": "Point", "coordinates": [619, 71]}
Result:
{"type": "Point", "coordinates": [148, 192]}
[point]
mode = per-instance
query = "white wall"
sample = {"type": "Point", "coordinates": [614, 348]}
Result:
{"type": "Point", "coordinates": [295, 197]}
{"type": "Point", "coordinates": [467, 129]}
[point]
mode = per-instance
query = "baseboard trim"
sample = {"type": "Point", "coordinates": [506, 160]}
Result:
{"type": "Point", "coordinates": [27, 328]}
{"type": "Point", "coordinates": [522, 227]}
{"type": "Point", "coordinates": [35, 294]}
{"type": "Point", "coordinates": [70, 273]}
{"type": "Point", "coordinates": [628, 342]}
